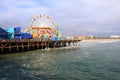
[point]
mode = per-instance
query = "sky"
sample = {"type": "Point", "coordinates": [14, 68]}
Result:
{"type": "Point", "coordinates": [74, 17]}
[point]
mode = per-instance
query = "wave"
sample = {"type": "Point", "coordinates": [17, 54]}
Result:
{"type": "Point", "coordinates": [109, 41]}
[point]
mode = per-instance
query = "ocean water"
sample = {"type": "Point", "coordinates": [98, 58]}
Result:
{"type": "Point", "coordinates": [92, 61]}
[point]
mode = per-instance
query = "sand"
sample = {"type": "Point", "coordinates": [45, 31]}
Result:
{"type": "Point", "coordinates": [100, 40]}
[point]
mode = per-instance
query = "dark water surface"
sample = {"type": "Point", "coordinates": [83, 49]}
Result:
{"type": "Point", "coordinates": [93, 61]}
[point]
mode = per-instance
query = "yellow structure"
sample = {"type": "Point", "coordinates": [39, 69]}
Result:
{"type": "Point", "coordinates": [39, 32]}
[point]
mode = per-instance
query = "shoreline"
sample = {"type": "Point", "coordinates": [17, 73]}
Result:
{"type": "Point", "coordinates": [99, 40]}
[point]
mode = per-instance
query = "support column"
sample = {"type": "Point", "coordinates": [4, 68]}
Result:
{"type": "Point", "coordinates": [22, 47]}
{"type": "Point", "coordinates": [9, 47]}
{"type": "Point", "coordinates": [17, 47]}
{"type": "Point", "coordinates": [37, 45]}
{"type": "Point", "coordinates": [42, 44]}
{"type": "Point", "coordinates": [2, 48]}
{"type": "Point", "coordinates": [28, 46]}
{"type": "Point", "coordinates": [33, 45]}
{"type": "Point", "coordinates": [47, 44]}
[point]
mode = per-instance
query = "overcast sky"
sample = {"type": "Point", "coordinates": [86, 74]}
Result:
{"type": "Point", "coordinates": [74, 17]}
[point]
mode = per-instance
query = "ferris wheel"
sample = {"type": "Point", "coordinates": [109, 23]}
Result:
{"type": "Point", "coordinates": [43, 20]}
{"type": "Point", "coordinates": [43, 25]}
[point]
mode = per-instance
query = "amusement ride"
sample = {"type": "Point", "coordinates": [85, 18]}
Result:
{"type": "Point", "coordinates": [43, 27]}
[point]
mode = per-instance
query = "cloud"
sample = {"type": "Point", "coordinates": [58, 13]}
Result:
{"type": "Point", "coordinates": [19, 14]}
{"type": "Point", "coordinates": [74, 17]}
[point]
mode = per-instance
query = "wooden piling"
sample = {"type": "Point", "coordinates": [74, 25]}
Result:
{"type": "Point", "coordinates": [17, 47]}
{"type": "Point", "coordinates": [2, 48]}
{"type": "Point", "coordinates": [10, 47]}
{"type": "Point", "coordinates": [22, 47]}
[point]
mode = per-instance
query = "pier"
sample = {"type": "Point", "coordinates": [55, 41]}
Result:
{"type": "Point", "coordinates": [16, 46]}
{"type": "Point", "coordinates": [43, 33]}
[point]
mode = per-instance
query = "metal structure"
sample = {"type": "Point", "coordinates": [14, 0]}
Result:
{"type": "Point", "coordinates": [43, 27]}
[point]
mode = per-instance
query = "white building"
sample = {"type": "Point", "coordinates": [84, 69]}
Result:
{"type": "Point", "coordinates": [91, 36]}
{"type": "Point", "coordinates": [115, 36]}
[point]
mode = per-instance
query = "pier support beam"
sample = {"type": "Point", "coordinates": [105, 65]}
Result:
{"type": "Point", "coordinates": [2, 49]}
{"type": "Point", "coordinates": [22, 46]}
{"type": "Point", "coordinates": [28, 46]}
{"type": "Point", "coordinates": [17, 47]}
{"type": "Point", "coordinates": [42, 44]}
{"type": "Point", "coordinates": [10, 47]}
{"type": "Point", "coordinates": [37, 45]}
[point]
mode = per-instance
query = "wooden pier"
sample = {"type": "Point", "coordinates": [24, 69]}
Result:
{"type": "Point", "coordinates": [12, 46]}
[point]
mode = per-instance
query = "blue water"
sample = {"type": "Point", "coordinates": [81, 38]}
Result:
{"type": "Point", "coordinates": [93, 61]}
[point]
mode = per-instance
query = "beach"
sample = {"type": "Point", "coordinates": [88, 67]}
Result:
{"type": "Point", "coordinates": [100, 40]}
